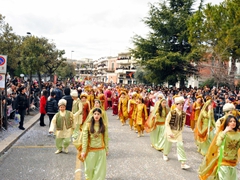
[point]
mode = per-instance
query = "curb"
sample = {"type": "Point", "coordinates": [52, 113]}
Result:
{"type": "Point", "coordinates": [9, 141]}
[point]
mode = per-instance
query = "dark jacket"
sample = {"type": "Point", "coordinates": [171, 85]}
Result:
{"type": "Point", "coordinates": [22, 102]}
{"type": "Point", "coordinates": [51, 106]}
{"type": "Point", "coordinates": [59, 94]}
{"type": "Point", "coordinates": [69, 100]}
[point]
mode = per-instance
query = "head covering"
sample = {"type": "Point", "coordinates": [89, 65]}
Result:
{"type": "Point", "coordinates": [178, 100]}
{"type": "Point", "coordinates": [228, 107]}
{"type": "Point", "coordinates": [123, 92]}
{"type": "Point", "coordinates": [208, 98]}
{"type": "Point", "coordinates": [199, 96]}
{"type": "Point", "coordinates": [74, 93]}
{"type": "Point", "coordinates": [134, 94]}
{"type": "Point", "coordinates": [109, 87]}
{"type": "Point", "coordinates": [62, 102]}
{"type": "Point", "coordinates": [83, 95]}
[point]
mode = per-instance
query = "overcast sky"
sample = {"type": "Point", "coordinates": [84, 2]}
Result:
{"type": "Point", "coordinates": [91, 28]}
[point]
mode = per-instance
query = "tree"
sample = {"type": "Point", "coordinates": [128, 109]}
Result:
{"type": "Point", "coordinates": [9, 45]}
{"type": "Point", "coordinates": [165, 52]}
{"type": "Point", "coordinates": [216, 29]}
{"type": "Point", "coordinates": [141, 75]}
{"type": "Point", "coordinates": [37, 53]}
{"type": "Point", "coordinates": [66, 70]}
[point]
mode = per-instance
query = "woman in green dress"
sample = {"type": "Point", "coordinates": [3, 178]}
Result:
{"type": "Point", "coordinates": [156, 124]}
{"type": "Point", "coordinates": [95, 147]}
{"type": "Point", "coordinates": [204, 131]}
{"type": "Point", "coordinates": [222, 157]}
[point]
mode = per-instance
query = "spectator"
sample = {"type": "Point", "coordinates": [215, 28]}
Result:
{"type": "Point", "coordinates": [58, 92]}
{"type": "Point", "coordinates": [22, 105]}
{"type": "Point", "coordinates": [51, 106]}
{"type": "Point", "coordinates": [68, 98]}
{"type": "Point", "coordinates": [43, 102]}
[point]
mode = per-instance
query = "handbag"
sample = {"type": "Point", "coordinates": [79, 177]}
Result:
{"type": "Point", "coordinates": [17, 117]}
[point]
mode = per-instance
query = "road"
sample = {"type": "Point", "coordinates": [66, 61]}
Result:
{"type": "Point", "coordinates": [130, 158]}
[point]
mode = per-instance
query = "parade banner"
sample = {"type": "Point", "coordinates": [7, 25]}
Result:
{"type": "Point", "coordinates": [3, 64]}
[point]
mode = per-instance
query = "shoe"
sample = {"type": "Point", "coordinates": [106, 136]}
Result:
{"type": "Point", "coordinates": [22, 128]}
{"type": "Point", "coordinates": [66, 150]}
{"type": "Point", "coordinates": [50, 134]}
{"type": "Point", "coordinates": [165, 158]}
{"type": "Point", "coordinates": [142, 134]}
{"type": "Point", "coordinates": [42, 124]}
{"type": "Point", "coordinates": [58, 151]}
{"type": "Point", "coordinates": [185, 166]}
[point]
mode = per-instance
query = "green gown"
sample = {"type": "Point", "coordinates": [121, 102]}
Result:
{"type": "Point", "coordinates": [204, 131]}
{"type": "Point", "coordinates": [97, 145]}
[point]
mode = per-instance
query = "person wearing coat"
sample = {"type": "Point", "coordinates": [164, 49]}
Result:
{"type": "Point", "coordinates": [43, 102]}
{"type": "Point", "coordinates": [22, 105]}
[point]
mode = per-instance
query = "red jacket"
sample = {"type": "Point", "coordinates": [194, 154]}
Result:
{"type": "Point", "coordinates": [43, 102]}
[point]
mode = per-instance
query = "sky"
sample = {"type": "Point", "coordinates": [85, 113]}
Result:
{"type": "Point", "coordinates": [83, 28]}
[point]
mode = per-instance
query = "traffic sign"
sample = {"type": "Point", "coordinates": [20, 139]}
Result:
{"type": "Point", "coordinates": [3, 64]}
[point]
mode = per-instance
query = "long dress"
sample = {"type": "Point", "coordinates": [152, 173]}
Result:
{"type": "Point", "coordinates": [157, 127]}
{"type": "Point", "coordinates": [122, 109]}
{"type": "Point", "coordinates": [97, 145]}
{"type": "Point", "coordinates": [227, 168]}
{"type": "Point", "coordinates": [140, 116]}
{"type": "Point", "coordinates": [115, 105]}
{"type": "Point", "coordinates": [204, 131]}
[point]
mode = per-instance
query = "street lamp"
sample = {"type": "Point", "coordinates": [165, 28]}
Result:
{"type": "Point", "coordinates": [71, 54]}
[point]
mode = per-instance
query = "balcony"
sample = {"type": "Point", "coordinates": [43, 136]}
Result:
{"type": "Point", "coordinates": [124, 70]}
{"type": "Point", "coordinates": [110, 70]}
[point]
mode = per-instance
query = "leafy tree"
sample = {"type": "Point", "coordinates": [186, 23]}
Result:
{"type": "Point", "coordinates": [141, 75]}
{"type": "Point", "coordinates": [66, 70]}
{"type": "Point", "coordinates": [9, 45]}
{"type": "Point", "coordinates": [216, 29]}
{"type": "Point", "coordinates": [165, 52]}
{"type": "Point", "coordinates": [37, 53]}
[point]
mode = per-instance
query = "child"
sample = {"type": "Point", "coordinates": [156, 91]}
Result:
{"type": "Point", "coordinates": [63, 123]}
{"type": "Point", "coordinates": [95, 146]}
{"type": "Point", "coordinates": [174, 124]}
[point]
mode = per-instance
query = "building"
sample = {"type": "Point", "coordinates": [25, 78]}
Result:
{"type": "Point", "coordinates": [126, 68]}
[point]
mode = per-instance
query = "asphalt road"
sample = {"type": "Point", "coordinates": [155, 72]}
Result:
{"type": "Point", "coordinates": [130, 158]}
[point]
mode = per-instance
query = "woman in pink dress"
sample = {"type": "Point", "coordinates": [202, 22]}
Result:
{"type": "Point", "coordinates": [115, 104]}
{"type": "Point", "coordinates": [187, 108]}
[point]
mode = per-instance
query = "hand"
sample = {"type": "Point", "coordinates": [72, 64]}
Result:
{"type": "Point", "coordinates": [106, 153]}
{"type": "Point", "coordinates": [171, 136]}
{"type": "Point", "coordinates": [228, 128]}
{"type": "Point", "coordinates": [83, 155]}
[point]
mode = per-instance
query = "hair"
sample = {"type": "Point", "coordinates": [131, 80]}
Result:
{"type": "Point", "coordinates": [67, 91]}
{"type": "Point", "coordinates": [228, 120]}
{"type": "Point", "coordinates": [45, 93]}
{"type": "Point", "coordinates": [160, 108]}
{"type": "Point", "coordinates": [52, 93]}
{"type": "Point", "coordinates": [101, 124]}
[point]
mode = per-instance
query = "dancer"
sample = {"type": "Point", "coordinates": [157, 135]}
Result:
{"type": "Point", "coordinates": [156, 124]}
{"type": "Point", "coordinates": [95, 147]}
{"type": "Point", "coordinates": [115, 104]}
{"type": "Point", "coordinates": [221, 159]}
{"type": "Point", "coordinates": [132, 109]}
{"type": "Point", "coordinates": [204, 131]}
{"type": "Point", "coordinates": [175, 121]}
{"type": "Point", "coordinates": [122, 107]}
{"type": "Point", "coordinates": [63, 123]}
{"type": "Point", "coordinates": [140, 115]}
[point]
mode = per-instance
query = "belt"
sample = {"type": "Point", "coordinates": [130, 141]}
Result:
{"type": "Point", "coordinates": [160, 123]}
{"type": "Point", "coordinates": [91, 149]}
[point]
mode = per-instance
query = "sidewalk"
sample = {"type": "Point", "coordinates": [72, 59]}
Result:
{"type": "Point", "coordinates": [12, 134]}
